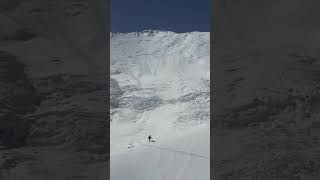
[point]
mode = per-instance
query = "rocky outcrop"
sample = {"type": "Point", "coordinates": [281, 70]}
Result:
{"type": "Point", "coordinates": [115, 93]}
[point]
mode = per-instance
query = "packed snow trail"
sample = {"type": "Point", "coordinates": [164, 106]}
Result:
{"type": "Point", "coordinates": [177, 151]}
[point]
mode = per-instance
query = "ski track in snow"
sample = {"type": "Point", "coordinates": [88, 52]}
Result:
{"type": "Point", "coordinates": [177, 151]}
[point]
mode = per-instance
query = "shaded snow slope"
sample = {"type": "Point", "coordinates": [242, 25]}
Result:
{"type": "Point", "coordinates": [266, 115]}
{"type": "Point", "coordinates": [52, 95]}
{"type": "Point", "coordinates": [160, 86]}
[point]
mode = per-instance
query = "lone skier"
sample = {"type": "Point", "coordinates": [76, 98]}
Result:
{"type": "Point", "coordinates": [150, 138]}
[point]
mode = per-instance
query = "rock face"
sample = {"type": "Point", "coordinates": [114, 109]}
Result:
{"type": "Point", "coordinates": [115, 93]}
{"type": "Point", "coordinates": [266, 96]}
{"type": "Point", "coordinates": [54, 90]}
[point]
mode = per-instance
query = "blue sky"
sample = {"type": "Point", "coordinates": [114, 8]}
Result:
{"type": "Point", "coordinates": [172, 15]}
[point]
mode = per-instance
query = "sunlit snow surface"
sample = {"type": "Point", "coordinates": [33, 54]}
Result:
{"type": "Point", "coordinates": [160, 86]}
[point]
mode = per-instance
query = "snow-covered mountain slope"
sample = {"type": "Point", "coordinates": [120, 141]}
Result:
{"type": "Point", "coordinates": [160, 85]}
{"type": "Point", "coordinates": [267, 93]}
{"type": "Point", "coordinates": [52, 95]}
{"type": "Point", "coordinates": [267, 123]}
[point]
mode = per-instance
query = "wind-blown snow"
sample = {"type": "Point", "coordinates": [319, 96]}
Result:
{"type": "Point", "coordinates": [160, 86]}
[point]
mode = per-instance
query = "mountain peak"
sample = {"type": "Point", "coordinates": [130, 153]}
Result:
{"type": "Point", "coordinates": [147, 32]}
{"type": "Point", "coordinates": [151, 33]}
